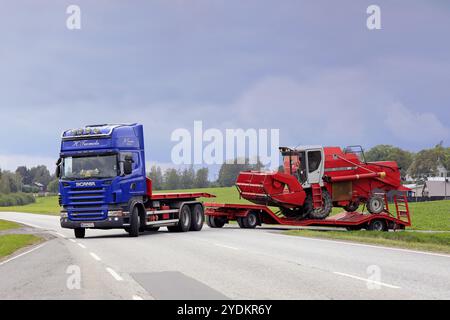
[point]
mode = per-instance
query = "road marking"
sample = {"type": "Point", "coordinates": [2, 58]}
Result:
{"type": "Point", "coordinates": [22, 254]}
{"type": "Point", "coordinates": [82, 245]}
{"type": "Point", "coordinates": [135, 297]}
{"type": "Point", "coordinates": [225, 246]}
{"type": "Point", "coordinates": [72, 240]}
{"type": "Point", "coordinates": [60, 234]}
{"type": "Point", "coordinates": [96, 257]}
{"type": "Point", "coordinates": [114, 274]}
{"type": "Point", "coordinates": [366, 245]}
{"type": "Point", "coordinates": [367, 280]}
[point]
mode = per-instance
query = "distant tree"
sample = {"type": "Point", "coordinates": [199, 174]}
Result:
{"type": "Point", "coordinates": [40, 174]}
{"type": "Point", "coordinates": [171, 179]}
{"type": "Point", "coordinates": [427, 161]}
{"type": "Point", "coordinates": [53, 186]}
{"type": "Point", "coordinates": [201, 178]}
{"type": "Point", "coordinates": [390, 153]}
{"type": "Point", "coordinates": [24, 172]}
{"type": "Point", "coordinates": [156, 176]}
{"type": "Point", "coordinates": [187, 178]}
{"type": "Point", "coordinates": [10, 182]}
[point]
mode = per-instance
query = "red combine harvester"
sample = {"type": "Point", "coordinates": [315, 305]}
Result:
{"type": "Point", "coordinates": [316, 179]}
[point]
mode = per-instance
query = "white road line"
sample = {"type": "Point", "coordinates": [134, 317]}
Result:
{"type": "Point", "coordinates": [367, 280]}
{"type": "Point", "coordinates": [114, 274]}
{"type": "Point", "coordinates": [72, 240]}
{"type": "Point", "coordinates": [60, 234]}
{"type": "Point", "coordinates": [225, 246]}
{"type": "Point", "coordinates": [365, 245]}
{"type": "Point", "coordinates": [82, 245]}
{"type": "Point", "coordinates": [135, 297]}
{"type": "Point", "coordinates": [22, 254]}
{"type": "Point", "coordinates": [96, 257]}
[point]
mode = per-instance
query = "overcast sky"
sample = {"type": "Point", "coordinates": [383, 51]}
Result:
{"type": "Point", "coordinates": [310, 68]}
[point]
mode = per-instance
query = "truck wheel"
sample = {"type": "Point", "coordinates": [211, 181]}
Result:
{"type": "Point", "coordinates": [197, 217]}
{"type": "Point", "coordinates": [240, 222]}
{"type": "Point", "coordinates": [215, 222]}
{"type": "Point", "coordinates": [375, 204]}
{"type": "Point", "coordinates": [378, 225]}
{"type": "Point", "coordinates": [79, 232]}
{"type": "Point", "coordinates": [352, 206]}
{"type": "Point", "coordinates": [319, 213]}
{"type": "Point", "coordinates": [135, 223]}
{"type": "Point", "coordinates": [251, 220]}
{"type": "Point", "coordinates": [184, 221]}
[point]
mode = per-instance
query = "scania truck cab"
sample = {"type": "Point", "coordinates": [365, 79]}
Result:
{"type": "Point", "coordinates": [103, 185]}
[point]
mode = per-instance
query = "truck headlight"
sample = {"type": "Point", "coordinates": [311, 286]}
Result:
{"type": "Point", "coordinates": [64, 214]}
{"type": "Point", "coordinates": [115, 213]}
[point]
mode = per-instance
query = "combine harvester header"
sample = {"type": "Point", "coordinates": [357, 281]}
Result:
{"type": "Point", "coordinates": [314, 180]}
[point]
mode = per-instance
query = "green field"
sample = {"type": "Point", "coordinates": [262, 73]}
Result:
{"type": "Point", "coordinates": [13, 242]}
{"type": "Point", "coordinates": [43, 205]}
{"type": "Point", "coordinates": [7, 225]}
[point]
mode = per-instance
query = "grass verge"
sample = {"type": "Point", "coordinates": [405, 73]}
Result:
{"type": "Point", "coordinates": [43, 205]}
{"type": "Point", "coordinates": [9, 243]}
{"type": "Point", "coordinates": [437, 242]}
{"type": "Point", "coordinates": [7, 225]}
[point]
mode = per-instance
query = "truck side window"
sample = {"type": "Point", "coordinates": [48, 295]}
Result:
{"type": "Point", "coordinates": [314, 160]}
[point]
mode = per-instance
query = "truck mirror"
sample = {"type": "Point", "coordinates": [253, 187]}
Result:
{"type": "Point", "coordinates": [58, 168]}
{"type": "Point", "coordinates": [127, 167]}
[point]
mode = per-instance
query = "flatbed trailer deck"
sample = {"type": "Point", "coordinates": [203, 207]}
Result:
{"type": "Point", "coordinates": [249, 216]}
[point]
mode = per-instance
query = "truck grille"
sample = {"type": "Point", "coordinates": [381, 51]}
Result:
{"type": "Point", "coordinates": [87, 204]}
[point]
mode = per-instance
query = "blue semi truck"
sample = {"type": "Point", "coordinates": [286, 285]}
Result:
{"type": "Point", "coordinates": [103, 185]}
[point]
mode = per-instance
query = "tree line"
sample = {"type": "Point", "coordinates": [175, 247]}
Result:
{"type": "Point", "coordinates": [413, 165]}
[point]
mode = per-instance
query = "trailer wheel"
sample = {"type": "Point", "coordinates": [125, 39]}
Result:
{"type": "Point", "coordinates": [79, 232]}
{"type": "Point", "coordinates": [378, 225]}
{"type": "Point", "coordinates": [240, 222]}
{"type": "Point", "coordinates": [251, 220]}
{"type": "Point", "coordinates": [184, 221]}
{"type": "Point", "coordinates": [215, 222]}
{"type": "Point", "coordinates": [375, 204]}
{"type": "Point", "coordinates": [135, 223]}
{"type": "Point", "coordinates": [198, 218]}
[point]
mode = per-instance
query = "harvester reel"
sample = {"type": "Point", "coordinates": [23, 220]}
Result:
{"type": "Point", "coordinates": [319, 213]}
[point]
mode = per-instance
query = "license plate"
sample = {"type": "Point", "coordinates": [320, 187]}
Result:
{"type": "Point", "coordinates": [87, 225]}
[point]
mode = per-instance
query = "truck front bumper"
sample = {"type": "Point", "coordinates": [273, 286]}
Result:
{"type": "Point", "coordinates": [108, 223]}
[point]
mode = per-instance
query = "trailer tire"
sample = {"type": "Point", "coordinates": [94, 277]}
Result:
{"type": "Point", "coordinates": [375, 204]}
{"type": "Point", "coordinates": [251, 220]}
{"type": "Point", "coordinates": [135, 223]}
{"type": "Point", "coordinates": [240, 222]}
{"type": "Point", "coordinates": [80, 233]}
{"type": "Point", "coordinates": [215, 222]}
{"type": "Point", "coordinates": [378, 225]}
{"type": "Point", "coordinates": [197, 218]}
{"type": "Point", "coordinates": [184, 220]}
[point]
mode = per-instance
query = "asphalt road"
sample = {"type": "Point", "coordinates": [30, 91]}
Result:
{"type": "Point", "coordinates": [227, 263]}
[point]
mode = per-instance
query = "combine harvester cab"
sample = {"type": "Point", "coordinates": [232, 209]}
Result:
{"type": "Point", "coordinates": [316, 179]}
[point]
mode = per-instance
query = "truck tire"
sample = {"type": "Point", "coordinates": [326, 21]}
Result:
{"type": "Point", "coordinates": [135, 223]}
{"type": "Point", "coordinates": [240, 222]}
{"type": "Point", "coordinates": [197, 218]}
{"type": "Point", "coordinates": [79, 232]}
{"type": "Point", "coordinates": [352, 206]}
{"type": "Point", "coordinates": [378, 225]}
{"type": "Point", "coordinates": [251, 220]}
{"type": "Point", "coordinates": [215, 222]}
{"type": "Point", "coordinates": [184, 221]}
{"type": "Point", "coordinates": [319, 213]}
{"type": "Point", "coordinates": [375, 204]}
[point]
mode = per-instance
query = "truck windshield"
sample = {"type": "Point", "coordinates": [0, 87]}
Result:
{"type": "Point", "coordinates": [100, 166]}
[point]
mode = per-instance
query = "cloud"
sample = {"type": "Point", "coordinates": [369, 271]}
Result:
{"type": "Point", "coordinates": [420, 127]}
